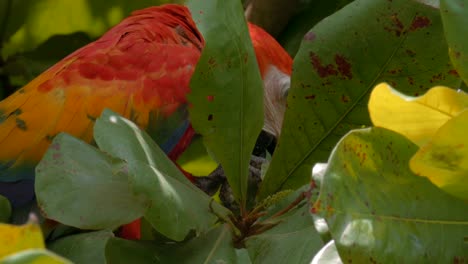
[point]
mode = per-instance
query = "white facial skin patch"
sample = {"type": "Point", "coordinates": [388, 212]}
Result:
{"type": "Point", "coordinates": [276, 89]}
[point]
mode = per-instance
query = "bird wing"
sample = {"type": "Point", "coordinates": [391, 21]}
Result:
{"type": "Point", "coordinates": [140, 69]}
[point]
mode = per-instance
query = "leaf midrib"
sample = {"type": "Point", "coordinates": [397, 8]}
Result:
{"type": "Point", "coordinates": [340, 119]}
{"type": "Point", "coordinates": [403, 219]}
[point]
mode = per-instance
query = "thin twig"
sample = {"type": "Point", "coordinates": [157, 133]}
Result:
{"type": "Point", "coordinates": [299, 199]}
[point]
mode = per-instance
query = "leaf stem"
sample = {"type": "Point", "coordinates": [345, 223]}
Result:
{"type": "Point", "coordinates": [299, 199]}
{"type": "Point", "coordinates": [249, 226]}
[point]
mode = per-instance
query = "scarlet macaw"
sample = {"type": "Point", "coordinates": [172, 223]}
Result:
{"type": "Point", "coordinates": [141, 69]}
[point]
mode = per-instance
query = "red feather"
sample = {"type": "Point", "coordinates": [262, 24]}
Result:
{"type": "Point", "coordinates": [141, 69]}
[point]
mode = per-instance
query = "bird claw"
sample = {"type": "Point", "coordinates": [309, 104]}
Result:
{"type": "Point", "coordinates": [217, 181]}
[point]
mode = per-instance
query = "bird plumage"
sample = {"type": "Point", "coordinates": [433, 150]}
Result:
{"type": "Point", "coordinates": [141, 69]}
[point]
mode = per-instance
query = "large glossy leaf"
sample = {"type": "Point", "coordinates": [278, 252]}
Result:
{"type": "Point", "coordinates": [30, 22]}
{"type": "Point", "coordinates": [340, 60]}
{"type": "Point", "coordinates": [215, 246]}
{"type": "Point", "coordinates": [455, 18]}
{"type": "Point", "coordinates": [122, 139]}
{"type": "Point", "coordinates": [18, 238]}
{"type": "Point", "coordinates": [34, 256]}
{"type": "Point", "coordinates": [175, 205]}
{"type": "Point", "coordinates": [243, 256]}
{"type": "Point", "coordinates": [379, 211]}
{"type": "Point", "coordinates": [227, 94]}
{"type": "Point", "coordinates": [82, 187]}
{"type": "Point", "coordinates": [212, 247]}
{"type": "Point", "coordinates": [83, 248]}
{"type": "Point", "coordinates": [175, 209]}
{"type": "Point", "coordinates": [309, 14]}
{"type": "Point", "coordinates": [444, 159]}
{"type": "Point", "coordinates": [293, 240]}
{"type": "Point", "coordinates": [122, 251]}
{"type": "Point", "coordinates": [417, 118]}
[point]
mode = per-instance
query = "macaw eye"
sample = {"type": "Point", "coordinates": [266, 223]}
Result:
{"type": "Point", "coordinates": [285, 85]}
{"type": "Point", "coordinates": [285, 93]}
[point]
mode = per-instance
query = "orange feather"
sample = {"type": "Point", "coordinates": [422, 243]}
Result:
{"type": "Point", "coordinates": [141, 68]}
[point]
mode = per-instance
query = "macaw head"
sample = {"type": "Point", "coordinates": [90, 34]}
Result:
{"type": "Point", "coordinates": [275, 67]}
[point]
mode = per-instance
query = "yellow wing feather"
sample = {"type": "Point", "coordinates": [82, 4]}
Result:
{"type": "Point", "coordinates": [141, 66]}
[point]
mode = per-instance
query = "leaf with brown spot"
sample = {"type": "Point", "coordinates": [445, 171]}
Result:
{"type": "Point", "coordinates": [455, 18]}
{"type": "Point", "coordinates": [351, 53]}
{"type": "Point", "coordinates": [382, 211]}
{"type": "Point", "coordinates": [309, 14]}
{"type": "Point", "coordinates": [230, 124]}
{"type": "Point", "coordinates": [420, 22]}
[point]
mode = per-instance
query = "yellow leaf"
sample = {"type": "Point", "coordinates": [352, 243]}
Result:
{"type": "Point", "coordinates": [417, 118]}
{"type": "Point", "coordinates": [196, 160]}
{"type": "Point", "coordinates": [16, 238]}
{"type": "Point", "coordinates": [34, 256]}
{"type": "Point", "coordinates": [444, 159]}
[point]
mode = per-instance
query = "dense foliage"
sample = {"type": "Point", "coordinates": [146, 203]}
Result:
{"type": "Point", "coordinates": [371, 165]}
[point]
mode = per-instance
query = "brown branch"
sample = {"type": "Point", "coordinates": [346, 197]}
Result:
{"type": "Point", "coordinates": [299, 199]}
{"type": "Point", "coordinates": [258, 228]}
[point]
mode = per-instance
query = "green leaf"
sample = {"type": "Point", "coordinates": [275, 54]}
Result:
{"type": "Point", "coordinates": [310, 13]}
{"type": "Point", "coordinates": [79, 186]}
{"type": "Point", "coordinates": [340, 60]}
{"type": "Point", "coordinates": [328, 254]}
{"type": "Point", "coordinates": [83, 248]}
{"type": "Point", "coordinates": [378, 210]}
{"type": "Point", "coordinates": [34, 256]}
{"type": "Point", "coordinates": [243, 256]}
{"type": "Point", "coordinates": [124, 251]}
{"type": "Point", "coordinates": [175, 208]}
{"type": "Point", "coordinates": [175, 205]}
{"type": "Point", "coordinates": [31, 22]}
{"type": "Point", "coordinates": [122, 139]}
{"type": "Point", "coordinates": [5, 209]}
{"type": "Point", "coordinates": [212, 247]}
{"type": "Point", "coordinates": [293, 240]}
{"type": "Point", "coordinates": [455, 18]}
{"type": "Point", "coordinates": [227, 94]}
{"type": "Point", "coordinates": [320, 224]}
